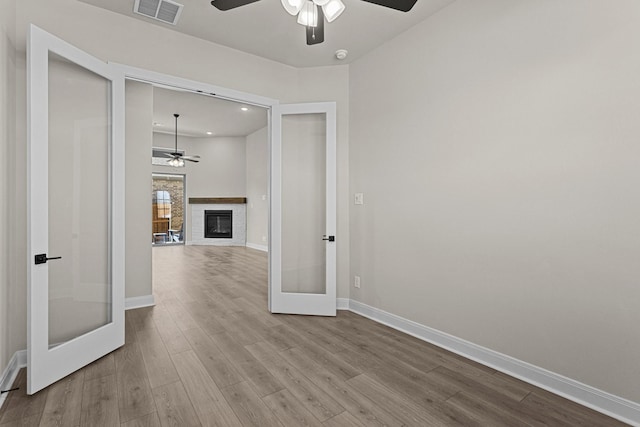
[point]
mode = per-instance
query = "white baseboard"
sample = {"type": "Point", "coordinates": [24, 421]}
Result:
{"type": "Point", "coordinates": [342, 303]}
{"type": "Point", "coordinates": [591, 397]}
{"type": "Point", "coordinates": [17, 361]}
{"type": "Point", "coordinates": [139, 302]}
{"type": "Point", "coordinates": [263, 248]}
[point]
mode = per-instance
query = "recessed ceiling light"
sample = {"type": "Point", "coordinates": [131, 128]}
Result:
{"type": "Point", "coordinates": [157, 124]}
{"type": "Point", "coordinates": [244, 109]}
{"type": "Point", "coordinates": [209, 132]}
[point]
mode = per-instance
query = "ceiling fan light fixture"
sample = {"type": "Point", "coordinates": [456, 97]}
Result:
{"type": "Point", "coordinates": [308, 16]}
{"type": "Point", "coordinates": [292, 7]}
{"type": "Point", "coordinates": [332, 9]}
{"type": "Point", "coordinates": [321, 2]}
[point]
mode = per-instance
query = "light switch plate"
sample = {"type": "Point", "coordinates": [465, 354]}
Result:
{"type": "Point", "coordinates": [358, 199]}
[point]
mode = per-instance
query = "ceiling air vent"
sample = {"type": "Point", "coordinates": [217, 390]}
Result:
{"type": "Point", "coordinates": [163, 10]}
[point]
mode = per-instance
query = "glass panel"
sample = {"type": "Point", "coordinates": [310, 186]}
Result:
{"type": "Point", "coordinates": [167, 209]}
{"type": "Point", "coordinates": [303, 203]}
{"type": "Point", "coordinates": [79, 203]}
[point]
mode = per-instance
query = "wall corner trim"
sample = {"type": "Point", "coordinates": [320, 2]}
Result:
{"type": "Point", "coordinates": [17, 362]}
{"type": "Point", "coordinates": [263, 248]}
{"type": "Point", "coordinates": [591, 397]}
{"type": "Point", "coordinates": [139, 302]}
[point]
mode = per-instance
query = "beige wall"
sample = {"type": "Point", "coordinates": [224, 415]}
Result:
{"type": "Point", "coordinates": [92, 30]}
{"type": "Point", "coordinates": [257, 153]}
{"type": "Point", "coordinates": [7, 177]}
{"type": "Point", "coordinates": [496, 145]}
{"type": "Point", "coordinates": [139, 137]}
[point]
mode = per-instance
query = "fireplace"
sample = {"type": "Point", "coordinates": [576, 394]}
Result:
{"type": "Point", "coordinates": [218, 224]}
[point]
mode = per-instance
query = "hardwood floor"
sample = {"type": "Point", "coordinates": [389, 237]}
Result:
{"type": "Point", "coordinates": [209, 353]}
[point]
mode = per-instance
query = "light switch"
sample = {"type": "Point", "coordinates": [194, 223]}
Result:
{"type": "Point", "coordinates": [359, 199]}
{"type": "Point", "coordinates": [264, 197]}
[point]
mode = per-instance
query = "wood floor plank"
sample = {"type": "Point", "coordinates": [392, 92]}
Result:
{"type": "Point", "coordinates": [407, 410]}
{"type": "Point", "coordinates": [64, 401]}
{"type": "Point", "coordinates": [344, 419]}
{"type": "Point", "coordinates": [562, 410]}
{"type": "Point", "coordinates": [484, 414]}
{"type": "Point", "coordinates": [358, 405]}
{"type": "Point", "coordinates": [213, 359]}
{"type": "Point", "coordinates": [19, 406]}
{"type": "Point", "coordinates": [248, 406]}
{"type": "Point", "coordinates": [160, 369]}
{"type": "Point", "coordinates": [174, 406]}
{"type": "Point", "coordinates": [100, 402]}
{"type": "Point", "coordinates": [134, 392]}
{"type": "Point", "coordinates": [287, 408]}
{"type": "Point", "coordinates": [207, 399]}
{"type": "Point", "coordinates": [102, 367]}
{"type": "Point", "coordinates": [149, 420]}
{"type": "Point", "coordinates": [258, 376]}
{"type": "Point", "coordinates": [311, 397]}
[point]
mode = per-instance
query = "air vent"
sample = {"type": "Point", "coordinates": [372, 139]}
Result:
{"type": "Point", "coordinates": [163, 10]}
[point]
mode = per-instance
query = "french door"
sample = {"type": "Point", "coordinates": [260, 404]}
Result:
{"type": "Point", "coordinates": [303, 209]}
{"type": "Point", "coordinates": [76, 209]}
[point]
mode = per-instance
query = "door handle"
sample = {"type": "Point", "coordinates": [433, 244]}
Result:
{"type": "Point", "coordinates": [329, 238]}
{"type": "Point", "coordinates": [42, 258]}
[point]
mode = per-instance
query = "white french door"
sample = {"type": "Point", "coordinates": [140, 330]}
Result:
{"type": "Point", "coordinates": [302, 245]}
{"type": "Point", "coordinates": [76, 209]}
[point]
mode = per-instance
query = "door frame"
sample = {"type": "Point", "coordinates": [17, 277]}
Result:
{"type": "Point", "coordinates": [184, 205]}
{"type": "Point", "coordinates": [271, 104]}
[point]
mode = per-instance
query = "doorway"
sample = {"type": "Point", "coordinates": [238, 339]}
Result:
{"type": "Point", "coordinates": [167, 209]}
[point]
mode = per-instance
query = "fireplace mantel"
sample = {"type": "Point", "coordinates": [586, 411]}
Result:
{"type": "Point", "coordinates": [217, 200]}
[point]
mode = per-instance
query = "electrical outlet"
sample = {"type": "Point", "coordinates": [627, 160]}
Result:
{"type": "Point", "coordinates": [356, 281]}
{"type": "Point", "coordinates": [264, 238]}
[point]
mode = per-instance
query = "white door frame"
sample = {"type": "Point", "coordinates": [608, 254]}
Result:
{"type": "Point", "coordinates": [179, 83]}
{"type": "Point", "coordinates": [47, 365]}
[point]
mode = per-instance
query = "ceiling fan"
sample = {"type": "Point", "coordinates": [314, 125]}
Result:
{"type": "Point", "coordinates": [312, 13]}
{"type": "Point", "coordinates": [177, 158]}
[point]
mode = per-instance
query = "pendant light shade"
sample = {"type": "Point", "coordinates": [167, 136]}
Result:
{"type": "Point", "coordinates": [332, 9]}
{"type": "Point", "coordinates": [308, 16]}
{"type": "Point", "coordinates": [293, 7]}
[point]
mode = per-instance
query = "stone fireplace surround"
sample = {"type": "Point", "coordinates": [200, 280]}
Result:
{"type": "Point", "coordinates": [238, 206]}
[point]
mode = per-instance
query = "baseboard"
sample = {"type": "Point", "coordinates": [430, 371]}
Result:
{"type": "Point", "coordinates": [139, 302]}
{"type": "Point", "coordinates": [342, 303]}
{"type": "Point", "coordinates": [263, 248]}
{"type": "Point", "coordinates": [17, 361]}
{"type": "Point", "coordinates": [591, 397]}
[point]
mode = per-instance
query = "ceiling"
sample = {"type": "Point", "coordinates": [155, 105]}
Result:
{"type": "Point", "coordinates": [201, 113]}
{"type": "Point", "coordinates": [265, 29]}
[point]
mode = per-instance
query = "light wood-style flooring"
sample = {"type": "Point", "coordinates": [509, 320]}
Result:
{"type": "Point", "coordinates": [209, 353]}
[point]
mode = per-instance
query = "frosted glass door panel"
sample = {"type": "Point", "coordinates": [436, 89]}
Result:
{"type": "Point", "coordinates": [304, 203]}
{"type": "Point", "coordinates": [79, 201]}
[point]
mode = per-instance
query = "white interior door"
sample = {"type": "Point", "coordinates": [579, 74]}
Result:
{"type": "Point", "coordinates": [302, 244]}
{"type": "Point", "coordinates": [76, 209]}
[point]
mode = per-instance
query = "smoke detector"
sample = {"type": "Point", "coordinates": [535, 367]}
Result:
{"type": "Point", "coordinates": [341, 54]}
{"type": "Point", "coordinates": [166, 11]}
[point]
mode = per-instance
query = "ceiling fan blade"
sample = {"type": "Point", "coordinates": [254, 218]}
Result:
{"type": "Point", "coordinates": [190, 160]}
{"type": "Point", "coordinates": [168, 155]}
{"type": "Point", "coordinates": [315, 35]}
{"type": "Point", "coordinates": [230, 4]}
{"type": "Point", "coordinates": [401, 5]}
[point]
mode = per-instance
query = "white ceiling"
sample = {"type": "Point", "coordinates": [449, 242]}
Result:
{"type": "Point", "coordinates": [201, 113]}
{"type": "Point", "coordinates": [265, 29]}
